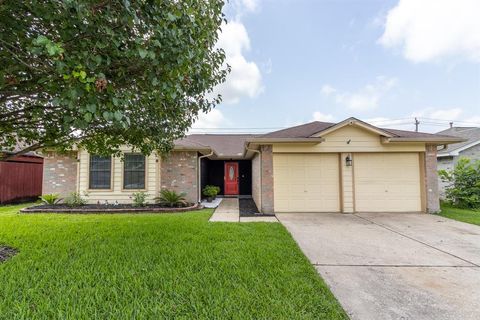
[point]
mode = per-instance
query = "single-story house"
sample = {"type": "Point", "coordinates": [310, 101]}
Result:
{"type": "Point", "coordinates": [448, 155]}
{"type": "Point", "coordinates": [350, 166]}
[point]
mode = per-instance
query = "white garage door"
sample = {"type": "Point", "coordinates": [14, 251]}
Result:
{"type": "Point", "coordinates": [387, 182]}
{"type": "Point", "coordinates": [306, 182]}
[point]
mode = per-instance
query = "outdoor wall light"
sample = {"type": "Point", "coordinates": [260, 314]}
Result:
{"type": "Point", "coordinates": [348, 161]}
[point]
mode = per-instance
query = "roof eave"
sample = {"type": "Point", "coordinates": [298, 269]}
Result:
{"type": "Point", "coordinates": [437, 140]}
{"type": "Point", "coordinates": [313, 140]}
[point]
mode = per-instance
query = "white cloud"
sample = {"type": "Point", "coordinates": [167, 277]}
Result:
{"type": "Point", "coordinates": [245, 79]}
{"type": "Point", "coordinates": [327, 90]}
{"type": "Point", "coordinates": [366, 98]}
{"type": "Point", "coordinates": [318, 116]}
{"type": "Point", "coordinates": [212, 119]}
{"type": "Point", "coordinates": [250, 5]}
{"type": "Point", "coordinates": [432, 29]}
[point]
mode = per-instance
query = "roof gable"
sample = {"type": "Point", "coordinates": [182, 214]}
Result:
{"type": "Point", "coordinates": [354, 122]}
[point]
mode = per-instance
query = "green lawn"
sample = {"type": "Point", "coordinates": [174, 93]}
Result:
{"type": "Point", "coordinates": [155, 266]}
{"type": "Point", "coordinates": [469, 216]}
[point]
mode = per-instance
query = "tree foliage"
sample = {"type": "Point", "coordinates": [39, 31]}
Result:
{"type": "Point", "coordinates": [463, 189]}
{"type": "Point", "coordinates": [102, 74]}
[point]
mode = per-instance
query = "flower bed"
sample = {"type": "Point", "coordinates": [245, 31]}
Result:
{"type": "Point", "coordinates": [110, 208]}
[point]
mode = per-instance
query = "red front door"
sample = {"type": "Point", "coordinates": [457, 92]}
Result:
{"type": "Point", "coordinates": [231, 178]}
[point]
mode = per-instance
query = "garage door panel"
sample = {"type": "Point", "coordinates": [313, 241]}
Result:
{"type": "Point", "coordinates": [387, 182]}
{"type": "Point", "coordinates": [306, 183]}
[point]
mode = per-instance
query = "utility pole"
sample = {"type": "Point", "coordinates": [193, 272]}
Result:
{"type": "Point", "coordinates": [416, 124]}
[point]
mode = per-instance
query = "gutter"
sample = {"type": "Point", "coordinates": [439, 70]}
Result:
{"type": "Point", "coordinates": [439, 140]}
{"type": "Point", "coordinates": [199, 175]}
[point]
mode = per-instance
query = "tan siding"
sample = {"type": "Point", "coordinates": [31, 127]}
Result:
{"type": "Point", "coordinates": [347, 185]}
{"type": "Point", "coordinates": [360, 139]}
{"type": "Point", "coordinates": [117, 192]}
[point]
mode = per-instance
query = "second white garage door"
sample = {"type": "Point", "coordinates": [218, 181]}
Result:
{"type": "Point", "coordinates": [387, 182]}
{"type": "Point", "coordinates": [306, 182]}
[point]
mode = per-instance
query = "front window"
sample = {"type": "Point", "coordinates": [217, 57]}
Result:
{"type": "Point", "coordinates": [100, 172]}
{"type": "Point", "coordinates": [134, 171]}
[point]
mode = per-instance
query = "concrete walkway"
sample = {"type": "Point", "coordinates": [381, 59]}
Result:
{"type": "Point", "coordinates": [394, 265]}
{"type": "Point", "coordinates": [229, 211]}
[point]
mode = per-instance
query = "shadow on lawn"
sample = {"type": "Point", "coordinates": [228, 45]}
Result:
{"type": "Point", "coordinates": [6, 253]}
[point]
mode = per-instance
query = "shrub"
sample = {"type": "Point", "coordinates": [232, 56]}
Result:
{"type": "Point", "coordinates": [50, 199]}
{"type": "Point", "coordinates": [210, 191]}
{"type": "Point", "coordinates": [171, 198]}
{"type": "Point", "coordinates": [75, 199]}
{"type": "Point", "coordinates": [139, 199]}
{"type": "Point", "coordinates": [463, 189]}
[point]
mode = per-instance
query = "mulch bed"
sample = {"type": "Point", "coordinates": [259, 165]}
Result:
{"type": "Point", "coordinates": [248, 208]}
{"type": "Point", "coordinates": [6, 252]}
{"type": "Point", "coordinates": [109, 208]}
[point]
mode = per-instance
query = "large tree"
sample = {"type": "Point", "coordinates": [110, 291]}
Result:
{"type": "Point", "coordinates": [104, 73]}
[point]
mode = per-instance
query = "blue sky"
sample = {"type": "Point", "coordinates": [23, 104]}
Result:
{"type": "Point", "coordinates": [386, 62]}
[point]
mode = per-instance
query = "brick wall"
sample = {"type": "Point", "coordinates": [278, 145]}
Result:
{"type": "Point", "coordinates": [431, 179]}
{"type": "Point", "coordinates": [256, 181]}
{"type": "Point", "coordinates": [267, 179]}
{"type": "Point", "coordinates": [59, 173]}
{"type": "Point", "coordinates": [179, 172]}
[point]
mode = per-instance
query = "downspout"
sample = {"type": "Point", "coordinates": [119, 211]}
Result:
{"type": "Point", "coordinates": [199, 176]}
{"type": "Point", "coordinates": [261, 172]}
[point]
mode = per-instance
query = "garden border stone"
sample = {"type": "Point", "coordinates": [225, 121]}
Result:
{"type": "Point", "coordinates": [35, 209]}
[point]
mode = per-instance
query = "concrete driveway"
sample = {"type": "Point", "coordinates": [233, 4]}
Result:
{"type": "Point", "coordinates": [394, 265]}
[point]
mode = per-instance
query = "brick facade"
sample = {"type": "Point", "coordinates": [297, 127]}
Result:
{"type": "Point", "coordinates": [431, 179]}
{"type": "Point", "coordinates": [179, 173]}
{"type": "Point", "coordinates": [267, 179]}
{"type": "Point", "coordinates": [59, 173]}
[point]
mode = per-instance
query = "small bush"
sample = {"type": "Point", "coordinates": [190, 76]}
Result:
{"type": "Point", "coordinates": [463, 189]}
{"type": "Point", "coordinates": [75, 199]}
{"type": "Point", "coordinates": [210, 191]}
{"type": "Point", "coordinates": [139, 199]}
{"type": "Point", "coordinates": [50, 199]}
{"type": "Point", "coordinates": [171, 198]}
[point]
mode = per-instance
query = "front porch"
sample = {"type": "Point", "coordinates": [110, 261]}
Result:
{"type": "Point", "coordinates": [233, 177]}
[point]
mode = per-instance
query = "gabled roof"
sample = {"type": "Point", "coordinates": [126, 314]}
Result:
{"type": "Point", "coordinates": [233, 146]}
{"type": "Point", "coordinates": [471, 135]}
{"type": "Point", "coordinates": [317, 129]}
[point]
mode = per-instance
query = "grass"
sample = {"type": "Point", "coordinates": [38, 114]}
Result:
{"type": "Point", "coordinates": [464, 215]}
{"type": "Point", "coordinates": [146, 266]}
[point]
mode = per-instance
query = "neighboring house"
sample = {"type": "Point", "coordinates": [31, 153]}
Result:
{"type": "Point", "coordinates": [470, 148]}
{"type": "Point", "coordinates": [350, 166]}
{"type": "Point", "coordinates": [21, 178]}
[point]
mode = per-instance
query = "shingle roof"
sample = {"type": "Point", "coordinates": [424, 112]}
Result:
{"type": "Point", "coordinates": [300, 131]}
{"type": "Point", "coordinates": [309, 129]}
{"type": "Point", "coordinates": [224, 145]}
{"type": "Point", "coordinates": [233, 145]}
{"type": "Point", "coordinates": [470, 134]}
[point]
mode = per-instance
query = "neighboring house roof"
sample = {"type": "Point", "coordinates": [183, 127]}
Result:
{"type": "Point", "coordinates": [224, 145]}
{"type": "Point", "coordinates": [471, 135]}
{"type": "Point", "coordinates": [19, 147]}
